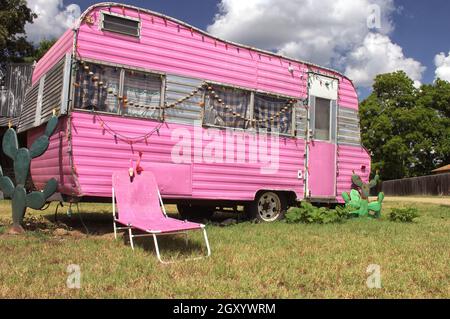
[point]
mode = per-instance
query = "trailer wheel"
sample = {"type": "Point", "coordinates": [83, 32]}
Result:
{"type": "Point", "coordinates": [268, 207]}
{"type": "Point", "coordinates": [195, 212]}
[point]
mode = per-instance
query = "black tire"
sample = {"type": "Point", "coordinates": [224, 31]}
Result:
{"type": "Point", "coordinates": [267, 207]}
{"type": "Point", "coordinates": [195, 212]}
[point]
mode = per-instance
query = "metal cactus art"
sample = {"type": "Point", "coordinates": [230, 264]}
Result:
{"type": "Point", "coordinates": [22, 157]}
{"type": "Point", "coordinates": [360, 200]}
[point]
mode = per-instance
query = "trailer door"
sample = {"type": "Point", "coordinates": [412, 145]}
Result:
{"type": "Point", "coordinates": [322, 149]}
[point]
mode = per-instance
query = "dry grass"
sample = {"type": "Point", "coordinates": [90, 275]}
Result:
{"type": "Point", "coordinates": [249, 260]}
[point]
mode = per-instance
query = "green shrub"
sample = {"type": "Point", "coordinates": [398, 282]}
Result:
{"type": "Point", "coordinates": [310, 214]}
{"type": "Point", "coordinates": [404, 215]}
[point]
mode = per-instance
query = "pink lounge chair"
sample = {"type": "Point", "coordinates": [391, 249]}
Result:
{"type": "Point", "coordinates": [140, 207]}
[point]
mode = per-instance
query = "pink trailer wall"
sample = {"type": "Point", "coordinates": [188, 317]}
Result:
{"type": "Point", "coordinates": [96, 153]}
{"type": "Point", "coordinates": [351, 158]}
{"type": "Point", "coordinates": [167, 46]}
{"type": "Point", "coordinates": [55, 162]}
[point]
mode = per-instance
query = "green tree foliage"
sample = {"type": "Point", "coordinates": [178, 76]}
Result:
{"type": "Point", "coordinates": [40, 50]}
{"type": "Point", "coordinates": [14, 14]}
{"type": "Point", "coordinates": [406, 130]}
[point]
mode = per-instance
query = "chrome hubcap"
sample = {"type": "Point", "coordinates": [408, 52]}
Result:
{"type": "Point", "coordinates": [269, 207]}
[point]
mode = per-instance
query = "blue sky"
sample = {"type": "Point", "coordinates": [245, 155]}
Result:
{"type": "Point", "coordinates": [410, 36]}
{"type": "Point", "coordinates": [422, 29]}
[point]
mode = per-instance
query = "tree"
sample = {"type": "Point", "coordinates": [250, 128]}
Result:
{"type": "Point", "coordinates": [14, 14]}
{"type": "Point", "coordinates": [405, 129]}
{"type": "Point", "coordinates": [40, 50]}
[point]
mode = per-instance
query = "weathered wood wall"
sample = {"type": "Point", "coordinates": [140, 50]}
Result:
{"type": "Point", "coordinates": [424, 185]}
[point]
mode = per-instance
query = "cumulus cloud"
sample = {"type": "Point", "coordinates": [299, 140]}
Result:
{"type": "Point", "coordinates": [54, 18]}
{"type": "Point", "coordinates": [377, 54]}
{"type": "Point", "coordinates": [442, 63]}
{"type": "Point", "coordinates": [332, 33]}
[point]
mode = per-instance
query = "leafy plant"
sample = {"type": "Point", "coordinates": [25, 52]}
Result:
{"type": "Point", "coordinates": [404, 215]}
{"type": "Point", "coordinates": [309, 214]}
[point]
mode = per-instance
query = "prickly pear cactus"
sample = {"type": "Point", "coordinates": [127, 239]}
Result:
{"type": "Point", "coordinates": [360, 200]}
{"type": "Point", "coordinates": [22, 157]}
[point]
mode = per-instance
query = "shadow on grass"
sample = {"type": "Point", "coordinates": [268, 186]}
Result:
{"type": "Point", "coordinates": [169, 245]}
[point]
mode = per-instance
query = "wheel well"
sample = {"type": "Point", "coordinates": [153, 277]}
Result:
{"type": "Point", "coordinates": [290, 196]}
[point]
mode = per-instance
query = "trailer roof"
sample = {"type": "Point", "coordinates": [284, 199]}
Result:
{"type": "Point", "coordinates": [112, 4]}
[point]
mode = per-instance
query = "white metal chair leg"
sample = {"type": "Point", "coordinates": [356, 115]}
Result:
{"type": "Point", "coordinates": [207, 242]}
{"type": "Point", "coordinates": [158, 254]}
{"type": "Point", "coordinates": [155, 240]}
{"type": "Point", "coordinates": [115, 229]}
{"type": "Point", "coordinates": [131, 238]}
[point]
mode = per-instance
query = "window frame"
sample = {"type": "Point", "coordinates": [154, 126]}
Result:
{"type": "Point", "coordinates": [113, 14]}
{"type": "Point", "coordinates": [330, 119]}
{"type": "Point", "coordinates": [205, 99]}
{"type": "Point", "coordinates": [251, 110]}
{"type": "Point", "coordinates": [122, 69]}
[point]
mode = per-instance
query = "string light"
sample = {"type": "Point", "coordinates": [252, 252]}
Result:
{"type": "Point", "coordinates": [213, 95]}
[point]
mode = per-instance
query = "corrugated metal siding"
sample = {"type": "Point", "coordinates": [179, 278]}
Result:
{"type": "Point", "coordinates": [26, 119]}
{"type": "Point", "coordinates": [55, 162]}
{"type": "Point", "coordinates": [166, 46]}
{"type": "Point", "coordinates": [51, 98]}
{"type": "Point", "coordinates": [52, 90]}
{"type": "Point", "coordinates": [350, 158]}
{"type": "Point", "coordinates": [56, 52]}
{"type": "Point", "coordinates": [179, 87]}
{"type": "Point", "coordinates": [301, 115]}
{"type": "Point", "coordinates": [347, 96]}
{"type": "Point", "coordinates": [97, 154]}
{"type": "Point", "coordinates": [348, 127]}
{"type": "Point", "coordinates": [17, 83]}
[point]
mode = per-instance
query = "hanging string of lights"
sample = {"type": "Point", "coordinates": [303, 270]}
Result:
{"type": "Point", "coordinates": [213, 95]}
{"type": "Point", "coordinates": [125, 101]}
{"type": "Point", "coordinates": [203, 87]}
{"type": "Point", "coordinates": [130, 140]}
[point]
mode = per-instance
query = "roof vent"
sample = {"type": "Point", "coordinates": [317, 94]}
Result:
{"type": "Point", "coordinates": [120, 24]}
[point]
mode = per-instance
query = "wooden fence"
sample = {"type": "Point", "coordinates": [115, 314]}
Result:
{"type": "Point", "coordinates": [424, 185]}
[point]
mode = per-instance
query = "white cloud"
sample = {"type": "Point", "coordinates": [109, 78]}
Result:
{"type": "Point", "coordinates": [332, 33]}
{"type": "Point", "coordinates": [53, 19]}
{"type": "Point", "coordinates": [442, 63]}
{"type": "Point", "coordinates": [377, 54]}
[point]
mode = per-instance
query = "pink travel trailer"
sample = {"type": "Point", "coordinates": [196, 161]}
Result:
{"type": "Point", "coordinates": [219, 124]}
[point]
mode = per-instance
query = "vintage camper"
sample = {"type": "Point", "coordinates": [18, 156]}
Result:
{"type": "Point", "coordinates": [220, 124]}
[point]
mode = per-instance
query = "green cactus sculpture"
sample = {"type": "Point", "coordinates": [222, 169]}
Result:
{"type": "Point", "coordinates": [360, 200]}
{"type": "Point", "coordinates": [20, 199]}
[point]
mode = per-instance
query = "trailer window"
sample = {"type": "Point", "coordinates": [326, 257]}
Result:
{"type": "Point", "coordinates": [142, 93]}
{"type": "Point", "coordinates": [322, 119]}
{"type": "Point", "coordinates": [97, 87]}
{"type": "Point", "coordinates": [272, 114]}
{"type": "Point", "coordinates": [226, 107]}
{"type": "Point", "coordinates": [119, 24]}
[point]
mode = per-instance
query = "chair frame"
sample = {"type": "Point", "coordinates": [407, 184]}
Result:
{"type": "Point", "coordinates": [156, 233]}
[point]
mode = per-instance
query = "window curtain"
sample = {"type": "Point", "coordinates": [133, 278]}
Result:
{"type": "Point", "coordinates": [89, 94]}
{"type": "Point", "coordinates": [237, 100]}
{"type": "Point", "coordinates": [143, 91]}
{"type": "Point", "coordinates": [267, 107]}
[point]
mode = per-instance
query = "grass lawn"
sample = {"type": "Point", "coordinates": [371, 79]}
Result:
{"type": "Point", "coordinates": [248, 260]}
